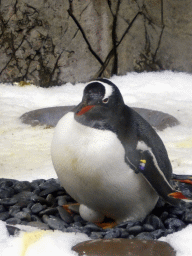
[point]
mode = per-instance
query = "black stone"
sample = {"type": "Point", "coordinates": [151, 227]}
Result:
{"type": "Point", "coordinates": [128, 224]}
{"type": "Point", "coordinates": [5, 183]}
{"type": "Point", "coordinates": [144, 236]}
{"type": "Point", "coordinates": [93, 227]}
{"type": "Point", "coordinates": [23, 216]}
{"type": "Point", "coordinates": [38, 199]}
{"type": "Point", "coordinates": [112, 234]}
{"type": "Point", "coordinates": [48, 211]}
{"type": "Point", "coordinates": [14, 209]}
{"type": "Point", "coordinates": [39, 225]}
{"type": "Point", "coordinates": [24, 198]}
{"type": "Point", "coordinates": [154, 221]}
{"type": "Point", "coordinates": [135, 230]}
{"type": "Point", "coordinates": [77, 218]}
{"type": "Point", "coordinates": [61, 200]}
{"type": "Point", "coordinates": [96, 235]}
{"type": "Point", "coordinates": [187, 217]}
{"type": "Point", "coordinates": [12, 230]}
{"type": "Point", "coordinates": [13, 221]}
{"type": "Point", "coordinates": [8, 201]}
{"type": "Point", "coordinates": [148, 228]}
{"type": "Point", "coordinates": [4, 216]}
{"type": "Point", "coordinates": [157, 233]}
{"type": "Point", "coordinates": [54, 222]}
{"type": "Point", "coordinates": [73, 229]}
{"type": "Point", "coordinates": [164, 216]}
{"type": "Point", "coordinates": [124, 234]}
{"type": "Point", "coordinates": [178, 211]}
{"type": "Point", "coordinates": [50, 190]}
{"type": "Point", "coordinates": [50, 199]}
{"type": "Point", "coordinates": [35, 218]}
{"type": "Point", "coordinates": [2, 208]}
{"type": "Point", "coordinates": [36, 208]}
{"type": "Point", "coordinates": [175, 224]}
{"type": "Point", "coordinates": [36, 183]}
{"type": "Point", "coordinates": [48, 183]}
{"type": "Point", "coordinates": [7, 192]}
{"type": "Point", "coordinates": [64, 215]}
{"type": "Point", "coordinates": [22, 186]}
{"type": "Point", "coordinates": [27, 209]}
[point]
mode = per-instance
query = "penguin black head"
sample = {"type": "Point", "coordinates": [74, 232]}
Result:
{"type": "Point", "coordinates": [101, 101]}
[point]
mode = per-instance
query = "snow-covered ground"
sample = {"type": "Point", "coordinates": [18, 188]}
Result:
{"type": "Point", "coordinates": [25, 150]}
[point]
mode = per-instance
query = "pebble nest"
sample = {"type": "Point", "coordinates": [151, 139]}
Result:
{"type": "Point", "coordinates": [39, 204]}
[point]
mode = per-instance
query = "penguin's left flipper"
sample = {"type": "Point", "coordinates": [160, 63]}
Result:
{"type": "Point", "coordinates": [149, 167]}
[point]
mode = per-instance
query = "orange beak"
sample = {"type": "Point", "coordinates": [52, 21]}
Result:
{"type": "Point", "coordinates": [85, 109]}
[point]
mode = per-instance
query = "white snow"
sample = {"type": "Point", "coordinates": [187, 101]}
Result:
{"type": "Point", "coordinates": [25, 150]}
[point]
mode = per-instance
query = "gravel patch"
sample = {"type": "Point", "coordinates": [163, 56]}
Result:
{"type": "Point", "coordinates": [39, 204]}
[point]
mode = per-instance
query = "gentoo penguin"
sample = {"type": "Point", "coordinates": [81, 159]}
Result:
{"type": "Point", "coordinates": [109, 159]}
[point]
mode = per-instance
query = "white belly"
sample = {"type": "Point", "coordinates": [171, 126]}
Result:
{"type": "Point", "coordinates": [90, 165]}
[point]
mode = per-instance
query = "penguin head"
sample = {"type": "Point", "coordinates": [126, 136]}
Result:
{"type": "Point", "coordinates": [101, 101]}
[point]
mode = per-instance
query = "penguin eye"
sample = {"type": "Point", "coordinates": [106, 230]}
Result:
{"type": "Point", "coordinates": [105, 100]}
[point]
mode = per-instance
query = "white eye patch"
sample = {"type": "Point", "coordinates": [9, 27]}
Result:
{"type": "Point", "coordinates": [108, 89]}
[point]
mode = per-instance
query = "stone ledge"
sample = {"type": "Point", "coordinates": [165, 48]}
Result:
{"type": "Point", "coordinates": [123, 247]}
{"type": "Point", "coordinates": [50, 117]}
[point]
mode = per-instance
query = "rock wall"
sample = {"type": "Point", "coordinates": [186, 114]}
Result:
{"type": "Point", "coordinates": [51, 42]}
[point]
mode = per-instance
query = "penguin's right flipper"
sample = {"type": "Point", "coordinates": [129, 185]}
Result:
{"type": "Point", "coordinates": [150, 169]}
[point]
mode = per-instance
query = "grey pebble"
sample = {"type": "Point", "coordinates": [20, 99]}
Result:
{"type": "Point", "coordinates": [38, 199]}
{"type": "Point", "coordinates": [48, 211]}
{"type": "Point", "coordinates": [13, 221]}
{"type": "Point", "coordinates": [175, 224]}
{"type": "Point", "coordinates": [36, 208]}
{"type": "Point", "coordinates": [35, 218]}
{"type": "Point", "coordinates": [38, 224]}
{"type": "Point", "coordinates": [2, 208]}
{"type": "Point", "coordinates": [112, 234]}
{"type": "Point", "coordinates": [154, 221]}
{"type": "Point", "coordinates": [157, 233]}
{"type": "Point", "coordinates": [135, 230]}
{"type": "Point", "coordinates": [164, 216]}
{"type": "Point", "coordinates": [14, 209]}
{"type": "Point", "coordinates": [12, 230]}
{"type": "Point", "coordinates": [50, 199]}
{"type": "Point", "coordinates": [22, 186]}
{"type": "Point", "coordinates": [4, 216]}
{"type": "Point", "coordinates": [6, 192]}
{"type": "Point", "coordinates": [61, 200]}
{"type": "Point", "coordinates": [73, 229]}
{"type": "Point", "coordinates": [64, 215]}
{"type": "Point", "coordinates": [144, 236]}
{"type": "Point", "coordinates": [96, 235]}
{"type": "Point", "coordinates": [23, 216]}
{"type": "Point", "coordinates": [93, 227]}
{"type": "Point", "coordinates": [54, 222]}
{"type": "Point", "coordinates": [8, 201]}
{"type": "Point", "coordinates": [50, 190]}
{"type": "Point", "coordinates": [148, 228]}
{"type": "Point", "coordinates": [187, 217]}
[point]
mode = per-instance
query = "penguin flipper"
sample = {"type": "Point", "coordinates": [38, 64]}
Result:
{"type": "Point", "coordinates": [150, 169]}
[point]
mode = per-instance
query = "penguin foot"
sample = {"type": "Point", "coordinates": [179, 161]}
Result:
{"type": "Point", "coordinates": [178, 195]}
{"type": "Point", "coordinates": [71, 208]}
{"type": "Point", "coordinates": [182, 178]}
{"type": "Point", "coordinates": [107, 223]}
